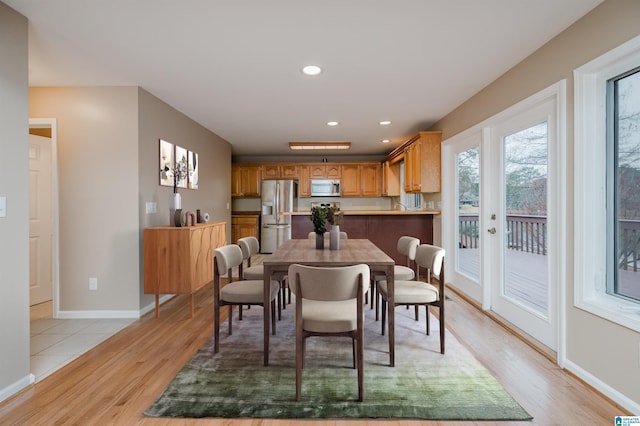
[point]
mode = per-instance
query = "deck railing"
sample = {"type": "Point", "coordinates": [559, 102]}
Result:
{"type": "Point", "coordinates": [528, 233]}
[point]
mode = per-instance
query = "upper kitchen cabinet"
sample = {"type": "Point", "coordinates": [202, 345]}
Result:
{"type": "Point", "coordinates": [280, 171]}
{"type": "Point", "coordinates": [391, 178]}
{"type": "Point", "coordinates": [246, 180]}
{"type": "Point", "coordinates": [304, 183]}
{"type": "Point", "coordinates": [325, 170]}
{"type": "Point", "coordinates": [422, 162]}
{"type": "Point", "coordinates": [361, 179]}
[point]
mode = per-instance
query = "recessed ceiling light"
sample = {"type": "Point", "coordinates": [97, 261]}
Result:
{"type": "Point", "coordinates": [385, 141]}
{"type": "Point", "coordinates": [385, 123]}
{"type": "Point", "coordinates": [312, 70]}
{"type": "Point", "coordinates": [332, 123]}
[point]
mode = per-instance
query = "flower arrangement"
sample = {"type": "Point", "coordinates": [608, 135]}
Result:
{"type": "Point", "coordinates": [335, 216]}
{"type": "Point", "coordinates": [180, 171]}
{"type": "Point", "coordinates": [319, 219]}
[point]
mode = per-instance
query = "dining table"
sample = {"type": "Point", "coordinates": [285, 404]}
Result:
{"type": "Point", "coordinates": [351, 252]}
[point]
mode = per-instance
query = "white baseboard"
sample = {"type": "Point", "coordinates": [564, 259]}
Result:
{"type": "Point", "coordinates": [605, 389]}
{"type": "Point", "coordinates": [151, 306]}
{"type": "Point", "coordinates": [16, 387]}
{"type": "Point", "coordinates": [98, 314]}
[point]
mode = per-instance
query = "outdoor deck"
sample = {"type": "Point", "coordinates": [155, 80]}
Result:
{"type": "Point", "coordinates": [526, 276]}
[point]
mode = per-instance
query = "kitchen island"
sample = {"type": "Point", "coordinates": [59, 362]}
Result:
{"type": "Point", "coordinates": [382, 227]}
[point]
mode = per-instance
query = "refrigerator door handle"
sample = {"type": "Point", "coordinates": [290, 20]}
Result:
{"type": "Point", "coordinates": [277, 202]}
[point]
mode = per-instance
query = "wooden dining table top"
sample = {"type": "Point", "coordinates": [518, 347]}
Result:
{"type": "Point", "coordinates": [351, 252]}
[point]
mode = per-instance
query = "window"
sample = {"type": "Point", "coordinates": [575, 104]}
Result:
{"type": "Point", "coordinates": [623, 181]}
{"type": "Point", "coordinates": [607, 175]}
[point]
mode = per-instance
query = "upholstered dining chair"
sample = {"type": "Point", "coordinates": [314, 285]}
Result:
{"type": "Point", "coordinates": [343, 235]}
{"type": "Point", "coordinates": [251, 246]}
{"type": "Point", "coordinates": [329, 302]}
{"type": "Point", "coordinates": [420, 293]}
{"type": "Point", "coordinates": [241, 292]}
{"type": "Point", "coordinates": [407, 247]}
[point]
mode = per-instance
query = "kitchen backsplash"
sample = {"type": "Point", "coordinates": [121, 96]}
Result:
{"type": "Point", "coordinates": [304, 204]}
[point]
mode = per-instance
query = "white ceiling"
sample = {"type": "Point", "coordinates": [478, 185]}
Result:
{"type": "Point", "coordinates": [234, 65]}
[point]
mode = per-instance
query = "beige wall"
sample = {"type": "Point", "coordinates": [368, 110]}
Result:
{"type": "Point", "coordinates": [595, 348]}
{"type": "Point", "coordinates": [98, 194]}
{"type": "Point", "coordinates": [157, 120]}
{"type": "Point", "coordinates": [14, 185]}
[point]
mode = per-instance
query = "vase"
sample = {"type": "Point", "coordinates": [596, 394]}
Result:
{"type": "Point", "coordinates": [320, 241]}
{"type": "Point", "coordinates": [175, 203]}
{"type": "Point", "coordinates": [334, 237]}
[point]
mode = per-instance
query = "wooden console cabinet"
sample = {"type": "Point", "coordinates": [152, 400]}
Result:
{"type": "Point", "coordinates": [180, 260]}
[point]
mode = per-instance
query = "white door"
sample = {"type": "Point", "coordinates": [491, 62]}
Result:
{"type": "Point", "coordinates": [40, 220]}
{"type": "Point", "coordinates": [463, 234]}
{"type": "Point", "coordinates": [522, 217]}
{"type": "Point", "coordinates": [501, 181]}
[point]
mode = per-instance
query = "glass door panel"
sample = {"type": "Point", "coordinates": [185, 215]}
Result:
{"type": "Point", "coordinates": [468, 198]}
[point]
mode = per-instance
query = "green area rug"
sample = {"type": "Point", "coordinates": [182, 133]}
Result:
{"type": "Point", "coordinates": [423, 385]}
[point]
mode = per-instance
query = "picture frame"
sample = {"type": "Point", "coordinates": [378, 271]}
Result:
{"type": "Point", "coordinates": [193, 170]}
{"type": "Point", "coordinates": [166, 163]}
{"type": "Point", "coordinates": [181, 164]}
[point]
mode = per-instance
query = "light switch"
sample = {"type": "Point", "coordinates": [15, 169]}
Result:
{"type": "Point", "coordinates": [3, 206]}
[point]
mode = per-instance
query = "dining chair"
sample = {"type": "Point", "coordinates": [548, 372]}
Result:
{"type": "Point", "coordinates": [241, 292]}
{"type": "Point", "coordinates": [251, 246]}
{"type": "Point", "coordinates": [343, 235]}
{"type": "Point", "coordinates": [407, 247]}
{"type": "Point", "coordinates": [329, 303]}
{"type": "Point", "coordinates": [420, 293]}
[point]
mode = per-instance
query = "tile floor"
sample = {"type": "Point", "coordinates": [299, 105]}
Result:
{"type": "Point", "coordinates": [57, 342]}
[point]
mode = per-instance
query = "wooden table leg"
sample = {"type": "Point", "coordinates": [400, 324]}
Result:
{"type": "Point", "coordinates": [266, 311]}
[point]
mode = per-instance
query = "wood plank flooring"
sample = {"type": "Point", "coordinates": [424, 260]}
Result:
{"type": "Point", "coordinates": [115, 382]}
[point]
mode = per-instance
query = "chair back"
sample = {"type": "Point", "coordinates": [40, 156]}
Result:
{"type": "Point", "coordinates": [329, 284]}
{"type": "Point", "coordinates": [407, 246]}
{"type": "Point", "coordinates": [249, 246]}
{"type": "Point", "coordinates": [430, 257]}
{"type": "Point", "coordinates": [227, 257]}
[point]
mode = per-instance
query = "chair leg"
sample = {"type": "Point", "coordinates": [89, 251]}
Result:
{"type": "Point", "coordinates": [441, 320]}
{"type": "Point", "coordinates": [299, 363]}
{"type": "Point", "coordinates": [230, 319]}
{"type": "Point", "coordinates": [240, 312]}
{"type": "Point", "coordinates": [273, 317]}
{"type": "Point", "coordinates": [383, 306]}
{"type": "Point", "coordinates": [360, 357]}
{"type": "Point", "coordinates": [417, 312]}
{"type": "Point", "coordinates": [428, 322]}
{"type": "Point", "coordinates": [279, 306]}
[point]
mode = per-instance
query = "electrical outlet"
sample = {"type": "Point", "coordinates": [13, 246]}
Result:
{"type": "Point", "coordinates": [93, 283]}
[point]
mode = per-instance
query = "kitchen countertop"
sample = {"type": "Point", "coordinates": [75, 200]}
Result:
{"type": "Point", "coordinates": [375, 212]}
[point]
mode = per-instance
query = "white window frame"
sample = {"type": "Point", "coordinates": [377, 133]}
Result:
{"type": "Point", "coordinates": [590, 171]}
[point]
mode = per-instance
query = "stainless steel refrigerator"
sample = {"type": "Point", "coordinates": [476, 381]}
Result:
{"type": "Point", "coordinates": [278, 197]}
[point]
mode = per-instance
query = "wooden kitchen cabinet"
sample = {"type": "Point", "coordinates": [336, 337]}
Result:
{"type": "Point", "coordinates": [246, 180]}
{"type": "Point", "coordinates": [422, 170]}
{"type": "Point", "coordinates": [179, 260]}
{"type": "Point", "coordinates": [360, 179]}
{"type": "Point", "coordinates": [244, 226]}
{"type": "Point", "coordinates": [325, 170]}
{"type": "Point", "coordinates": [280, 171]}
{"type": "Point", "coordinates": [391, 179]}
{"type": "Point", "coordinates": [304, 183]}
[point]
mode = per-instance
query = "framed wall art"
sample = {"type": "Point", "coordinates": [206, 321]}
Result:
{"type": "Point", "coordinates": [166, 163]}
{"type": "Point", "coordinates": [181, 166]}
{"type": "Point", "coordinates": [193, 170]}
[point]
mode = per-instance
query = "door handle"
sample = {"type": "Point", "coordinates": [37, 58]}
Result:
{"type": "Point", "coordinates": [492, 230]}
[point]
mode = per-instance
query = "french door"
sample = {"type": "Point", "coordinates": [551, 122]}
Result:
{"type": "Point", "coordinates": [500, 217]}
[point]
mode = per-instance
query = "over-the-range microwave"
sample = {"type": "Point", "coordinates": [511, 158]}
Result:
{"type": "Point", "coordinates": [325, 187]}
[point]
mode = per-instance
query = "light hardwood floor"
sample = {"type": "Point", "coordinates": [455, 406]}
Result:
{"type": "Point", "coordinates": [115, 382]}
